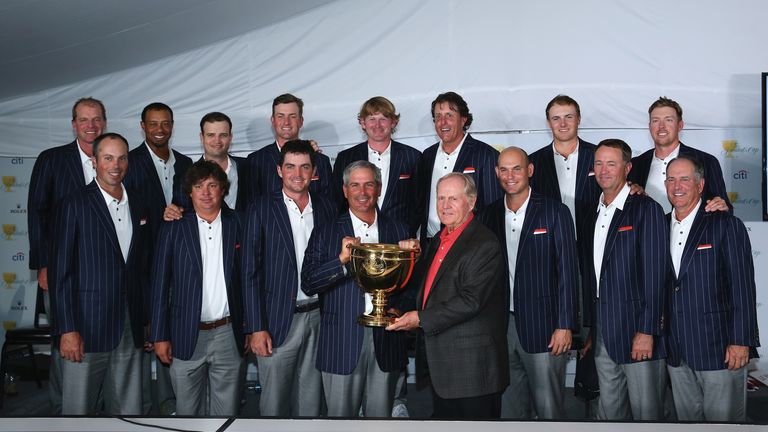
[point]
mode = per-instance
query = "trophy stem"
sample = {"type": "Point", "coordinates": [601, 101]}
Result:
{"type": "Point", "coordinates": [378, 316]}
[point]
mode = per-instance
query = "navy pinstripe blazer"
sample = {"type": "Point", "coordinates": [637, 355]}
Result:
{"type": "Point", "coordinates": [401, 201]}
{"type": "Point", "coordinates": [474, 155]}
{"type": "Point", "coordinates": [714, 185]}
{"type": "Point", "coordinates": [342, 301]}
{"type": "Point", "coordinates": [712, 303]}
{"type": "Point", "coordinates": [264, 179]}
{"type": "Point", "coordinates": [270, 270]}
{"type": "Point", "coordinates": [142, 176]}
{"type": "Point", "coordinates": [243, 187]}
{"type": "Point", "coordinates": [632, 279]}
{"type": "Point", "coordinates": [544, 179]}
{"type": "Point", "coordinates": [56, 174]}
{"type": "Point", "coordinates": [177, 282]}
{"type": "Point", "coordinates": [546, 276]}
{"type": "Point", "coordinates": [90, 282]}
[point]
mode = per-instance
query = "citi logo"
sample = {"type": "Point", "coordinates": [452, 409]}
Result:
{"type": "Point", "coordinates": [741, 174]}
{"type": "Point", "coordinates": [19, 256]}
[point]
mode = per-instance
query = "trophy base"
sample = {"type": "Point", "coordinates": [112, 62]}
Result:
{"type": "Point", "coordinates": [375, 320]}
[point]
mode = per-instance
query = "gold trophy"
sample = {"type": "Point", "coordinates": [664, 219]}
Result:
{"type": "Point", "coordinates": [729, 146]}
{"type": "Point", "coordinates": [8, 230]}
{"type": "Point", "coordinates": [8, 181]}
{"type": "Point", "coordinates": [9, 279]}
{"type": "Point", "coordinates": [733, 196]}
{"type": "Point", "coordinates": [380, 270]}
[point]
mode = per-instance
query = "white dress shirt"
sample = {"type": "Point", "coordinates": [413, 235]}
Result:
{"type": "Point", "coordinates": [89, 172]}
{"type": "Point", "coordinates": [566, 168]}
{"type": "Point", "coordinates": [678, 236]}
{"type": "Point", "coordinates": [367, 234]}
{"type": "Point", "coordinates": [657, 175]}
{"type": "Point", "coordinates": [215, 304]}
{"type": "Point", "coordinates": [381, 160]}
{"type": "Point", "coordinates": [444, 164]}
{"type": "Point", "coordinates": [603, 224]}
{"type": "Point", "coordinates": [165, 172]}
{"type": "Point", "coordinates": [120, 212]}
{"type": "Point", "coordinates": [302, 223]}
{"type": "Point", "coordinates": [513, 226]}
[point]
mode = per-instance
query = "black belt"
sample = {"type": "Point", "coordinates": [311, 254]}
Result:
{"type": "Point", "coordinates": [210, 325]}
{"type": "Point", "coordinates": [306, 307]}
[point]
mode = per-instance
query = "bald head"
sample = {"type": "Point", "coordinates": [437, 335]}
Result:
{"type": "Point", "coordinates": [514, 169]}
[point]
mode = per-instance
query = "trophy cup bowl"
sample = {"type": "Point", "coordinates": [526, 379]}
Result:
{"type": "Point", "coordinates": [729, 146]}
{"type": "Point", "coordinates": [380, 270]}
{"type": "Point", "coordinates": [8, 230]}
{"type": "Point", "coordinates": [8, 181]}
{"type": "Point", "coordinates": [9, 279]}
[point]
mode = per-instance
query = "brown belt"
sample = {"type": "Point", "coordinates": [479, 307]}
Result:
{"type": "Point", "coordinates": [210, 325]}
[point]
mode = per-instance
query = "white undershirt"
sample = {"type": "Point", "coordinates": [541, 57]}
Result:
{"type": "Point", "coordinates": [120, 212]}
{"type": "Point", "coordinates": [444, 164]}
{"type": "Point", "coordinates": [367, 234]}
{"type": "Point", "coordinates": [566, 177]}
{"type": "Point", "coordinates": [302, 223]}
{"type": "Point", "coordinates": [89, 172]}
{"type": "Point", "coordinates": [513, 226]}
{"type": "Point", "coordinates": [381, 160]}
{"type": "Point", "coordinates": [678, 236]}
{"type": "Point", "coordinates": [231, 171]}
{"type": "Point", "coordinates": [603, 224]}
{"type": "Point", "coordinates": [657, 175]}
{"type": "Point", "coordinates": [165, 172]}
{"type": "Point", "coordinates": [215, 305]}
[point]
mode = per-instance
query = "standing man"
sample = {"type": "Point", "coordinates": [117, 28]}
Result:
{"type": "Point", "coordinates": [287, 119]}
{"type": "Point", "coordinates": [539, 246]}
{"type": "Point", "coordinates": [399, 164]}
{"type": "Point", "coordinates": [360, 365]}
{"type": "Point", "coordinates": [57, 173]}
{"type": "Point", "coordinates": [197, 313]}
{"type": "Point", "coordinates": [650, 168]}
{"type": "Point", "coordinates": [98, 277]}
{"type": "Point", "coordinates": [458, 152]}
{"type": "Point", "coordinates": [282, 321]}
{"type": "Point", "coordinates": [463, 308]}
{"type": "Point", "coordinates": [624, 271]}
{"type": "Point", "coordinates": [564, 168]}
{"type": "Point", "coordinates": [713, 316]}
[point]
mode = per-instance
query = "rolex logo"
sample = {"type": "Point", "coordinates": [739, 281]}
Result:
{"type": "Point", "coordinates": [9, 278]}
{"type": "Point", "coordinates": [8, 230]}
{"type": "Point", "coordinates": [729, 146]}
{"type": "Point", "coordinates": [8, 181]}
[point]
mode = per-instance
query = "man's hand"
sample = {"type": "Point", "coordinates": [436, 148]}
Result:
{"type": "Point", "coordinates": [560, 342]}
{"type": "Point", "coordinates": [71, 347]}
{"type": "Point", "coordinates": [635, 189]}
{"type": "Point", "coordinates": [410, 244]}
{"type": "Point", "coordinates": [163, 351]}
{"type": "Point", "coordinates": [716, 204]}
{"type": "Point", "coordinates": [409, 321]}
{"type": "Point", "coordinates": [172, 213]}
{"type": "Point", "coordinates": [261, 343]}
{"type": "Point", "coordinates": [346, 252]}
{"type": "Point", "coordinates": [642, 347]}
{"type": "Point", "coordinates": [42, 278]}
{"type": "Point", "coordinates": [736, 356]}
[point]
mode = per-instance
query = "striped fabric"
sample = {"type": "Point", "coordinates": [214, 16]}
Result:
{"type": "Point", "coordinates": [264, 179]}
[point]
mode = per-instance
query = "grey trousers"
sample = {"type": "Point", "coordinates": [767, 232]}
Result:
{"type": "Point", "coordinates": [718, 395]}
{"type": "Point", "coordinates": [367, 387]}
{"type": "Point", "coordinates": [116, 374]}
{"type": "Point", "coordinates": [54, 370]}
{"type": "Point", "coordinates": [210, 382]}
{"type": "Point", "coordinates": [538, 378]}
{"type": "Point", "coordinates": [291, 385]}
{"type": "Point", "coordinates": [628, 391]}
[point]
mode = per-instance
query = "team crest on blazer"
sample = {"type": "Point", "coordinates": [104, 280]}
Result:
{"type": "Point", "coordinates": [469, 170]}
{"type": "Point", "coordinates": [704, 246]}
{"type": "Point", "coordinates": [404, 176]}
{"type": "Point", "coordinates": [538, 231]}
{"type": "Point", "coordinates": [591, 173]}
{"type": "Point", "coordinates": [625, 228]}
{"type": "Point", "coordinates": [315, 178]}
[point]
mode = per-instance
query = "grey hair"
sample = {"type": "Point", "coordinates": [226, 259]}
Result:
{"type": "Point", "coordinates": [362, 164]}
{"type": "Point", "coordinates": [698, 167]}
{"type": "Point", "coordinates": [470, 189]}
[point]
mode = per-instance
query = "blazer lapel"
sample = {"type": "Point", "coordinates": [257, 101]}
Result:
{"type": "Point", "coordinates": [617, 221]}
{"type": "Point", "coordinates": [428, 258]}
{"type": "Point", "coordinates": [465, 156]}
{"type": "Point", "coordinates": [102, 214]}
{"type": "Point", "coordinates": [583, 167]}
{"type": "Point", "coordinates": [149, 168]}
{"type": "Point", "coordinates": [697, 229]}
{"type": "Point", "coordinates": [280, 216]}
{"type": "Point", "coordinates": [547, 167]}
{"type": "Point", "coordinates": [136, 220]}
{"type": "Point", "coordinates": [454, 254]}
{"type": "Point", "coordinates": [530, 216]}
{"type": "Point", "coordinates": [228, 244]}
{"type": "Point", "coordinates": [73, 165]}
{"type": "Point", "coordinates": [395, 169]}
{"type": "Point", "coordinates": [192, 237]}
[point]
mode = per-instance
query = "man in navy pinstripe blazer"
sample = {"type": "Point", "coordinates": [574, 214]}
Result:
{"type": "Point", "coordinates": [197, 313]}
{"type": "Point", "coordinates": [538, 244]}
{"type": "Point", "coordinates": [399, 164]}
{"type": "Point", "coordinates": [57, 173]}
{"type": "Point", "coordinates": [287, 119]}
{"type": "Point", "coordinates": [457, 151]}
{"type": "Point", "coordinates": [360, 365]}
{"type": "Point", "coordinates": [624, 271]}
{"type": "Point", "coordinates": [98, 280]}
{"type": "Point", "coordinates": [712, 310]}
{"type": "Point", "coordinates": [282, 321]}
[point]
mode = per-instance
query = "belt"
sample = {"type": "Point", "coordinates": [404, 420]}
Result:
{"type": "Point", "coordinates": [210, 325]}
{"type": "Point", "coordinates": [306, 307]}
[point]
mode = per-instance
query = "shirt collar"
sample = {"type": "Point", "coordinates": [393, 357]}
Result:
{"type": "Point", "coordinates": [171, 157]}
{"type": "Point", "coordinates": [671, 156]}
{"type": "Point", "coordinates": [109, 199]}
{"type": "Point", "coordinates": [216, 220]}
{"type": "Point", "coordinates": [688, 220]}
{"type": "Point", "coordinates": [358, 223]}
{"type": "Point", "coordinates": [83, 157]}
{"type": "Point", "coordinates": [458, 148]}
{"type": "Point", "coordinates": [289, 201]}
{"type": "Point", "coordinates": [575, 152]}
{"type": "Point", "coordinates": [385, 152]}
{"type": "Point", "coordinates": [229, 164]}
{"type": "Point", "coordinates": [617, 202]}
{"type": "Point", "coordinates": [523, 207]}
{"type": "Point", "coordinates": [452, 236]}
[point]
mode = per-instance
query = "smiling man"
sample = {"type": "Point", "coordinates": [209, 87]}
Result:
{"type": "Point", "coordinates": [712, 312]}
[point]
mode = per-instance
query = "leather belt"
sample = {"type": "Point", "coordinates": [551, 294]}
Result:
{"type": "Point", "coordinates": [210, 325]}
{"type": "Point", "coordinates": [306, 307]}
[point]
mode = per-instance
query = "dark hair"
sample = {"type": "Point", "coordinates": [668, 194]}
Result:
{"type": "Point", "coordinates": [155, 106]}
{"type": "Point", "coordinates": [626, 151]}
{"type": "Point", "coordinates": [664, 101]}
{"type": "Point", "coordinates": [110, 135]}
{"type": "Point", "coordinates": [562, 99]}
{"type": "Point", "coordinates": [698, 167]}
{"type": "Point", "coordinates": [457, 103]}
{"type": "Point", "coordinates": [213, 117]}
{"type": "Point", "coordinates": [287, 98]}
{"type": "Point", "coordinates": [298, 146]}
{"type": "Point", "coordinates": [204, 169]}
{"type": "Point", "coordinates": [89, 101]}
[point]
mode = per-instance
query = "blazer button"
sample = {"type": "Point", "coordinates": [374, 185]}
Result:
{"type": "Point", "coordinates": [677, 288]}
